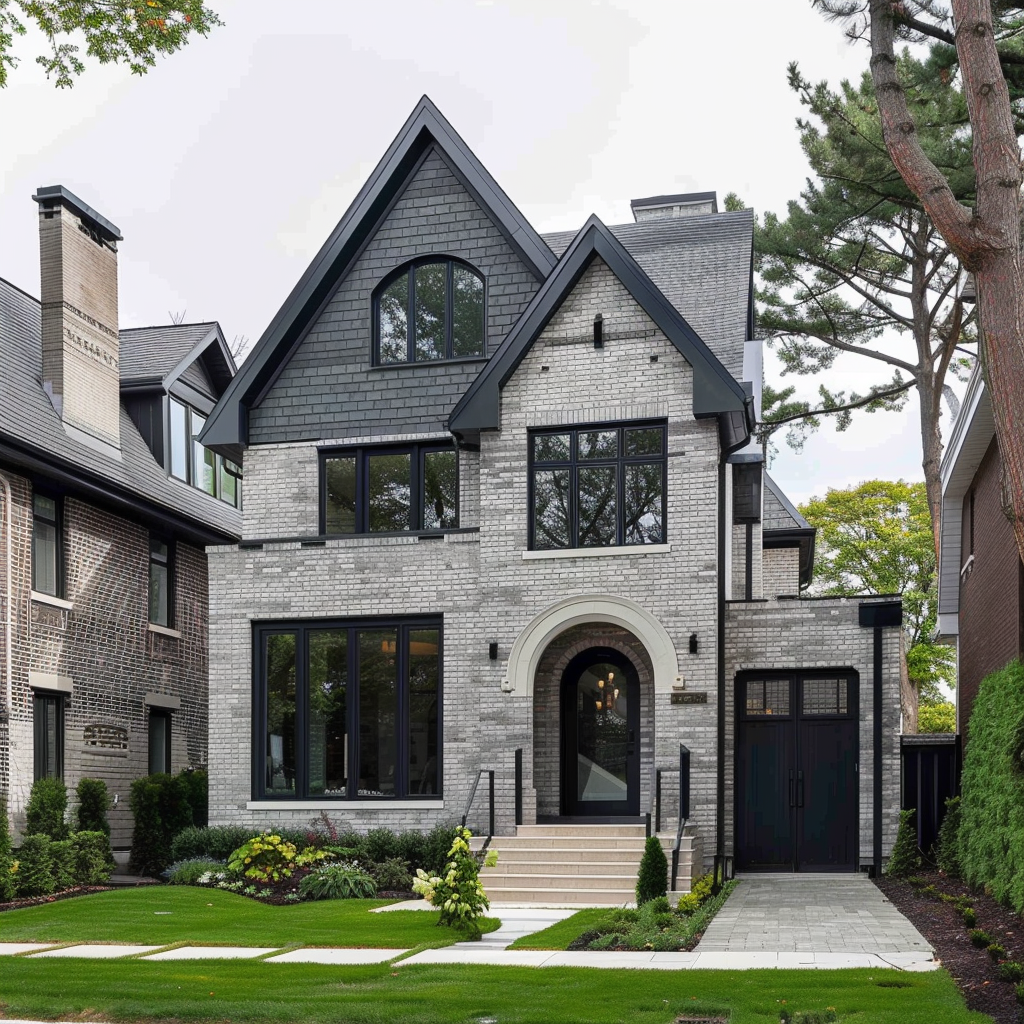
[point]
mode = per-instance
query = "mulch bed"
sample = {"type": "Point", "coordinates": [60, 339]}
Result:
{"type": "Point", "coordinates": [943, 926]}
{"type": "Point", "coordinates": [37, 901]}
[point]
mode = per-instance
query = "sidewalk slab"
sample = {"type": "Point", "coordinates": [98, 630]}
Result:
{"type": "Point", "coordinates": [211, 952]}
{"type": "Point", "coordinates": [96, 951]}
{"type": "Point", "coordinates": [10, 948]}
{"type": "Point", "coordinates": [336, 956]}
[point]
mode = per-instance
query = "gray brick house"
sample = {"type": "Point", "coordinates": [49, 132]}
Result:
{"type": "Point", "coordinates": [504, 508]}
{"type": "Point", "coordinates": [107, 504]}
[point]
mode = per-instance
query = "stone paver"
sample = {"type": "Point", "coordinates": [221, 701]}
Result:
{"type": "Point", "coordinates": [104, 951]}
{"type": "Point", "coordinates": [10, 948]}
{"type": "Point", "coordinates": [844, 915]}
{"type": "Point", "coordinates": [212, 952]}
{"type": "Point", "coordinates": [312, 955]}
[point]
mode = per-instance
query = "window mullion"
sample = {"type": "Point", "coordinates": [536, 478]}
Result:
{"type": "Point", "coordinates": [449, 309]}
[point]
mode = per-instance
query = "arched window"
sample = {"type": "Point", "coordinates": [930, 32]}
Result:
{"type": "Point", "coordinates": [431, 309]}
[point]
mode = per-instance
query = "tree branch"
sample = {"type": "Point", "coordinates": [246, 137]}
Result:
{"type": "Point", "coordinates": [859, 404]}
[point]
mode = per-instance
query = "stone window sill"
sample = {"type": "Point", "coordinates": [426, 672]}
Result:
{"type": "Point", "coordinates": [56, 602]}
{"type": "Point", "coordinates": [631, 549]}
{"type": "Point", "coordinates": [351, 805]}
{"type": "Point", "coordinates": [164, 631]}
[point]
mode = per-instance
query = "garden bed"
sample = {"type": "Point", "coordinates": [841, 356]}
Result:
{"type": "Point", "coordinates": [942, 924]}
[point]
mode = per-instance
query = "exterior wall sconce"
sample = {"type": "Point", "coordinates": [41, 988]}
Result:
{"type": "Point", "coordinates": [599, 331]}
{"type": "Point", "coordinates": [492, 650]}
{"type": "Point", "coordinates": [693, 643]}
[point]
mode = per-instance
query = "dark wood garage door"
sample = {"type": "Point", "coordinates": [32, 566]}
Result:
{"type": "Point", "coordinates": [796, 772]}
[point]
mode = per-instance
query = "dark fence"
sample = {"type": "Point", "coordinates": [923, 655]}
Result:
{"type": "Point", "coordinates": [930, 775]}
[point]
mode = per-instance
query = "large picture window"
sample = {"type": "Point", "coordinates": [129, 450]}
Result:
{"type": "Point", "coordinates": [597, 486]}
{"type": "Point", "coordinates": [348, 710]}
{"type": "Point", "coordinates": [197, 465]}
{"type": "Point", "coordinates": [429, 310]}
{"type": "Point", "coordinates": [389, 490]}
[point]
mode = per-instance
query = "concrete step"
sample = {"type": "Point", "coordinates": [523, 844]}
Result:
{"type": "Point", "coordinates": [566, 858]}
{"type": "Point", "coordinates": [584, 831]}
{"type": "Point", "coordinates": [554, 897]}
{"type": "Point", "coordinates": [587, 881]}
{"type": "Point", "coordinates": [541, 842]}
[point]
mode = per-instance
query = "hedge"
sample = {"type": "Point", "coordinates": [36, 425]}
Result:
{"type": "Point", "coordinates": [990, 843]}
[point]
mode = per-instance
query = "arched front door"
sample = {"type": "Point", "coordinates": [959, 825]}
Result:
{"type": "Point", "coordinates": [600, 708]}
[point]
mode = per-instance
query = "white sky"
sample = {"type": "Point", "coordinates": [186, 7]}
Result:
{"type": "Point", "coordinates": [227, 166]}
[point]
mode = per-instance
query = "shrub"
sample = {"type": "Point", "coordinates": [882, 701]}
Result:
{"type": "Point", "coordinates": [457, 891]}
{"type": "Point", "coordinates": [195, 784]}
{"type": "Point", "coordinates": [1010, 970]}
{"type": "Point", "coordinates": [62, 865]}
{"type": "Point", "coordinates": [652, 879]}
{"type": "Point", "coordinates": [979, 937]}
{"type": "Point", "coordinates": [437, 843]}
{"type": "Point", "coordinates": [341, 881]}
{"type": "Point", "coordinates": [700, 892]}
{"type": "Point", "coordinates": [412, 848]}
{"type": "Point", "coordinates": [35, 866]}
{"type": "Point", "coordinates": [381, 844]}
{"type": "Point", "coordinates": [92, 861]}
{"type": "Point", "coordinates": [1019, 992]}
{"type": "Point", "coordinates": [8, 866]}
{"type": "Point", "coordinates": [46, 810]}
{"type": "Point", "coordinates": [161, 809]}
{"type": "Point", "coordinates": [189, 872]}
{"type": "Point", "coordinates": [996, 952]}
{"type": "Point", "coordinates": [990, 843]}
{"type": "Point", "coordinates": [93, 803]}
{"type": "Point", "coordinates": [271, 858]}
{"type": "Point", "coordinates": [946, 846]}
{"type": "Point", "coordinates": [905, 858]}
{"type": "Point", "coordinates": [392, 874]}
{"type": "Point", "coordinates": [216, 843]}
{"type": "Point", "coordinates": [970, 918]}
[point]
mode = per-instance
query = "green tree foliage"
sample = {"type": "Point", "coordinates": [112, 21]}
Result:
{"type": "Point", "coordinates": [47, 808]}
{"type": "Point", "coordinates": [938, 717]}
{"type": "Point", "coordinates": [991, 832]}
{"type": "Point", "coordinates": [652, 878]}
{"type": "Point", "coordinates": [857, 267]}
{"type": "Point", "coordinates": [134, 32]}
{"type": "Point", "coordinates": [877, 539]}
{"type": "Point", "coordinates": [93, 803]}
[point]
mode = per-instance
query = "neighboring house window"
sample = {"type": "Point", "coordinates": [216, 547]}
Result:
{"type": "Point", "coordinates": [597, 486]}
{"type": "Point", "coordinates": [429, 310]}
{"type": "Point", "coordinates": [390, 489]}
{"type": "Point", "coordinates": [48, 735]}
{"type": "Point", "coordinates": [348, 710]}
{"type": "Point", "coordinates": [161, 580]}
{"type": "Point", "coordinates": [159, 741]}
{"type": "Point", "coordinates": [199, 466]}
{"type": "Point", "coordinates": [46, 545]}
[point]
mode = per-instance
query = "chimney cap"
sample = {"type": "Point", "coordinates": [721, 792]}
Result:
{"type": "Point", "coordinates": [53, 195]}
{"type": "Point", "coordinates": [683, 199]}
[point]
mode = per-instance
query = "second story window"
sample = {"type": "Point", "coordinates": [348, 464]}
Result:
{"type": "Point", "coordinates": [432, 310]}
{"type": "Point", "coordinates": [597, 486]}
{"type": "Point", "coordinates": [161, 575]}
{"type": "Point", "coordinates": [46, 554]}
{"type": "Point", "coordinates": [389, 489]}
{"type": "Point", "coordinates": [197, 465]}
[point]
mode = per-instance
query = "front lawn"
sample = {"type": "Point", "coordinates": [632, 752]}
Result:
{"type": "Point", "coordinates": [160, 915]}
{"type": "Point", "coordinates": [261, 992]}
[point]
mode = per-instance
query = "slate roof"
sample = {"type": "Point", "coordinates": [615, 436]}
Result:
{"type": "Point", "coordinates": [149, 353]}
{"type": "Point", "coordinates": [702, 265]}
{"type": "Point", "coordinates": [779, 512]}
{"type": "Point", "coordinates": [31, 432]}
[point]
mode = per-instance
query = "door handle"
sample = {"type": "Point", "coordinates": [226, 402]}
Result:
{"type": "Point", "coordinates": [800, 789]}
{"type": "Point", "coordinates": [792, 790]}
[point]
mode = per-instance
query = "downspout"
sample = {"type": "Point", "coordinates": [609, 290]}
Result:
{"type": "Point", "coordinates": [720, 785]}
{"type": "Point", "coordinates": [7, 521]}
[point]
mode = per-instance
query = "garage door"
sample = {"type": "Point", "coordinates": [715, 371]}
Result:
{"type": "Point", "coordinates": [796, 771]}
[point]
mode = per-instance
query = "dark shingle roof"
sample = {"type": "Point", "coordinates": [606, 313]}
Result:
{"type": "Point", "coordinates": [151, 353]}
{"type": "Point", "coordinates": [779, 512]}
{"type": "Point", "coordinates": [702, 265]}
{"type": "Point", "coordinates": [30, 424]}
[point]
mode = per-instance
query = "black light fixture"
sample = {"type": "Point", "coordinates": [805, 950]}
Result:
{"type": "Point", "coordinates": [599, 331]}
{"type": "Point", "coordinates": [693, 643]}
{"type": "Point", "coordinates": [492, 650]}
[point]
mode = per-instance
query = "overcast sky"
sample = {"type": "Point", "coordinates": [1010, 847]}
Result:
{"type": "Point", "coordinates": [229, 164]}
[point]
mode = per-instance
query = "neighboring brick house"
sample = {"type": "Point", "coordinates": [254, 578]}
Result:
{"type": "Point", "coordinates": [981, 576]}
{"type": "Point", "coordinates": [106, 506]}
{"type": "Point", "coordinates": [503, 507]}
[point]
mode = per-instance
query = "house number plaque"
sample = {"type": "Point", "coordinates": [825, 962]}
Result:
{"type": "Point", "coordinates": [689, 698]}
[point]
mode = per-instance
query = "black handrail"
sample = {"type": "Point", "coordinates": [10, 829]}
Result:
{"type": "Point", "coordinates": [654, 804]}
{"type": "Point", "coordinates": [489, 772]}
{"type": "Point", "coordinates": [519, 785]}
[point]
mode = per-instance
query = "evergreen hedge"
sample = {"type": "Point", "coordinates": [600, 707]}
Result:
{"type": "Point", "coordinates": [990, 841]}
{"type": "Point", "coordinates": [47, 808]}
{"type": "Point", "coordinates": [652, 878]}
{"type": "Point", "coordinates": [160, 805]}
{"type": "Point", "coordinates": [6, 855]}
{"type": "Point", "coordinates": [93, 802]}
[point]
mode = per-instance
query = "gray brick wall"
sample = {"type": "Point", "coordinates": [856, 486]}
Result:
{"type": "Point", "coordinates": [329, 389]}
{"type": "Point", "coordinates": [781, 571]}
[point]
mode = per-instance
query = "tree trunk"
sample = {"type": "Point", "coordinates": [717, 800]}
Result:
{"type": "Point", "coordinates": [908, 692]}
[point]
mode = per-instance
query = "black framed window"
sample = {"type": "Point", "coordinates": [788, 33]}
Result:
{"type": "Point", "coordinates": [428, 310]}
{"type": "Point", "coordinates": [159, 741]}
{"type": "Point", "coordinates": [161, 582]}
{"type": "Point", "coordinates": [597, 486]}
{"type": "Point", "coordinates": [47, 571]}
{"type": "Point", "coordinates": [348, 710]}
{"type": "Point", "coordinates": [196, 465]}
{"type": "Point", "coordinates": [48, 735]}
{"type": "Point", "coordinates": [389, 489]}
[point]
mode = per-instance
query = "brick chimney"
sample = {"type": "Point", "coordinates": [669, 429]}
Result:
{"type": "Point", "coordinates": [78, 270]}
{"type": "Point", "coordinates": [688, 204]}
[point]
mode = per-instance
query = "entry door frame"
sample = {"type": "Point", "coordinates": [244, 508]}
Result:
{"type": "Point", "coordinates": [568, 780]}
{"type": "Point", "coordinates": [794, 770]}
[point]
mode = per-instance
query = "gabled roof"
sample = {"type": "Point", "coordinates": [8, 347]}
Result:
{"type": "Point", "coordinates": [782, 526]}
{"type": "Point", "coordinates": [715, 390]}
{"type": "Point", "coordinates": [226, 428]}
{"type": "Point", "coordinates": [157, 356]}
{"type": "Point", "coordinates": [33, 437]}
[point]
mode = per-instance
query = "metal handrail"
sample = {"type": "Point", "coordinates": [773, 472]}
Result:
{"type": "Point", "coordinates": [654, 804]}
{"type": "Point", "coordinates": [489, 772]}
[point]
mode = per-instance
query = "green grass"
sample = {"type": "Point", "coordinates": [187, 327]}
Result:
{"type": "Point", "coordinates": [561, 933]}
{"type": "Point", "coordinates": [242, 992]}
{"type": "Point", "coordinates": [160, 915]}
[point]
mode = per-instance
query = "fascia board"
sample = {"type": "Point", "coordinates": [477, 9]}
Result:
{"type": "Point", "coordinates": [213, 337]}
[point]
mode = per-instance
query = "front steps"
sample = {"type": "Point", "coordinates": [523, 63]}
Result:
{"type": "Point", "coordinates": [585, 865]}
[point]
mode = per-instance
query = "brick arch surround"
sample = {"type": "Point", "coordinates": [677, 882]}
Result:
{"type": "Point", "coordinates": [547, 705]}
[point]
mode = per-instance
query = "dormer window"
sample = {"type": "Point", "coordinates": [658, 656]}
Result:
{"type": "Point", "coordinates": [429, 310]}
{"type": "Point", "coordinates": [196, 465]}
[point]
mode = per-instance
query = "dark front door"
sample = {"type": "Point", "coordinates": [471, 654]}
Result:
{"type": "Point", "coordinates": [600, 735]}
{"type": "Point", "coordinates": [796, 772]}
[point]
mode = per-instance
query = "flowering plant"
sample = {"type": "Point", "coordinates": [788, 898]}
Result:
{"type": "Point", "coordinates": [457, 891]}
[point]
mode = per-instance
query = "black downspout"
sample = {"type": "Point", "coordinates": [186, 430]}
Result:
{"type": "Point", "coordinates": [877, 746]}
{"type": "Point", "coordinates": [720, 815]}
